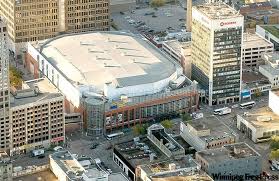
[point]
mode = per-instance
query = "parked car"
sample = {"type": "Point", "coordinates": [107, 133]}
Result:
{"type": "Point", "coordinates": [272, 168]}
{"type": "Point", "coordinates": [94, 146]}
{"type": "Point", "coordinates": [154, 16]}
{"type": "Point", "coordinates": [122, 13]}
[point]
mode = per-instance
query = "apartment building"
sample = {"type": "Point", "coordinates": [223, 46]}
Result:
{"type": "Point", "coordinates": [253, 48]}
{"type": "Point", "coordinates": [216, 51]}
{"type": "Point", "coordinates": [42, 19]}
{"type": "Point", "coordinates": [37, 116]}
{"type": "Point", "coordinates": [4, 89]}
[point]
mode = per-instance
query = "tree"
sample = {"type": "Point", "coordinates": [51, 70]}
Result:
{"type": "Point", "coordinates": [167, 124]}
{"type": "Point", "coordinates": [186, 117]}
{"type": "Point", "coordinates": [139, 129]}
{"type": "Point", "coordinates": [15, 77]}
{"type": "Point", "coordinates": [157, 3]}
{"type": "Point", "coordinates": [274, 154]}
{"type": "Point", "coordinates": [274, 143]}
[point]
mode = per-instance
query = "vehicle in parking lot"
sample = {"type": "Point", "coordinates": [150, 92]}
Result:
{"type": "Point", "coordinates": [127, 17]}
{"type": "Point", "coordinates": [94, 146]}
{"type": "Point", "coordinates": [122, 13]}
{"type": "Point", "coordinates": [149, 13]}
{"type": "Point", "coordinates": [272, 168]}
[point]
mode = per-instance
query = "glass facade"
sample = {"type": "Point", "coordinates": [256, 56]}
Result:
{"type": "Point", "coordinates": [226, 64]}
{"type": "Point", "coordinates": [216, 62]}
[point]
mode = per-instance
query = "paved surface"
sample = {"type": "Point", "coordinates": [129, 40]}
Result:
{"type": "Point", "coordinates": [41, 176]}
{"type": "Point", "coordinates": [159, 23]}
{"type": "Point", "coordinates": [262, 148]}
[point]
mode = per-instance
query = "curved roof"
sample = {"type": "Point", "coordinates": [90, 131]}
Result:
{"type": "Point", "coordinates": [103, 57]}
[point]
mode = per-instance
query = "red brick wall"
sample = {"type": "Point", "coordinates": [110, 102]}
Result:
{"type": "Point", "coordinates": [31, 61]}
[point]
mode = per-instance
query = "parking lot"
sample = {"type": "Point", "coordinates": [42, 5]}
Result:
{"type": "Point", "coordinates": [167, 18]}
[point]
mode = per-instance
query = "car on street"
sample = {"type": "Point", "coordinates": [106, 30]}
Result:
{"type": "Point", "coordinates": [94, 146]}
{"type": "Point", "coordinates": [154, 16]}
{"type": "Point", "coordinates": [272, 168]}
{"type": "Point", "coordinates": [122, 13]}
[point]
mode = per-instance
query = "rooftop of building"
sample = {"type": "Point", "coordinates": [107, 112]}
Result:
{"type": "Point", "coordinates": [275, 91]}
{"type": "Point", "coordinates": [255, 5]}
{"type": "Point", "coordinates": [228, 152]}
{"type": "Point", "coordinates": [4, 158]}
{"type": "Point", "coordinates": [260, 14]}
{"type": "Point", "coordinates": [34, 91]}
{"type": "Point", "coordinates": [253, 77]}
{"type": "Point", "coordinates": [254, 40]}
{"type": "Point", "coordinates": [217, 10]}
{"type": "Point", "coordinates": [134, 153]}
{"type": "Point", "coordinates": [183, 175]}
{"type": "Point", "coordinates": [272, 70]}
{"type": "Point", "coordinates": [177, 46]}
{"type": "Point", "coordinates": [272, 57]}
{"type": "Point", "coordinates": [262, 117]}
{"type": "Point", "coordinates": [46, 174]}
{"type": "Point", "coordinates": [169, 167]}
{"type": "Point", "coordinates": [98, 58]}
{"type": "Point", "coordinates": [117, 177]}
{"type": "Point", "coordinates": [217, 128]}
{"type": "Point", "coordinates": [272, 29]}
{"type": "Point", "coordinates": [73, 167]}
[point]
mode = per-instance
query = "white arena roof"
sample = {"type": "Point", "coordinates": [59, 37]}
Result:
{"type": "Point", "coordinates": [98, 58]}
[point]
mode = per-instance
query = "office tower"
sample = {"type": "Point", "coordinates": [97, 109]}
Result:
{"type": "Point", "coordinates": [189, 16]}
{"type": "Point", "coordinates": [4, 89]}
{"type": "Point", "coordinates": [217, 31]}
{"type": "Point", "coordinates": [32, 20]}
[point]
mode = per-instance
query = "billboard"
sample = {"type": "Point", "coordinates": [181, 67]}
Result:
{"type": "Point", "coordinates": [245, 94]}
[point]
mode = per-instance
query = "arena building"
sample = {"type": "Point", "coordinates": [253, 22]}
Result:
{"type": "Point", "coordinates": [107, 66]}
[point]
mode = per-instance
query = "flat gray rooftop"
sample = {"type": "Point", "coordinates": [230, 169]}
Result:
{"type": "Point", "coordinates": [228, 152]}
{"type": "Point", "coordinates": [217, 128]}
{"type": "Point", "coordinates": [270, 69]}
{"type": "Point", "coordinates": [135, 156]}
{"type": "Point", "coordinates": [217, 10]}
{"type": "Point", "coordinates": [252, 40]}
{"type": "Point", "coordinates": [46, 91]}
{"type": "Point", "coordinates": [155, 168]}
{"type": "Point", "coordinates": [98, 58]}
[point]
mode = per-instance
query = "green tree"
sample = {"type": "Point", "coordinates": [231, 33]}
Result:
{"type": "Point", "coordinates": [274, 154]}
{"type": "Point", "coordinates": [186, 117]}
{"type": "Point", "coordinates": [157, 3]}
{"type": "Point", "coordinates": [167, 124]}
{"type": "Point", "coordinates": [274, 142]}
{"type": "Point", "coordinates": [139, 129]}
{"type": "Point", "coordinates": [15, 77]}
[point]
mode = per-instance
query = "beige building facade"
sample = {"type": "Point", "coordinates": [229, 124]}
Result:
{"type": "Point", "coordinates": [37, 116]}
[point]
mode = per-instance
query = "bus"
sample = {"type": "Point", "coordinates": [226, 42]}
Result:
{"type": "Point", "coordinates": [247, 104]}
{"type": "Point", "coordinates": [114, 135]}
{"type": "Point", "coordinates": [222, 111]}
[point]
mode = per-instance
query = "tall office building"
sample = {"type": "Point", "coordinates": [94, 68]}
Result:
{"type": "Point", "coordinates": [4, 89]}
{"type": "Point", "coordinates": [217, 31]}
{"type": "Point", "coordinates": [32, 20]}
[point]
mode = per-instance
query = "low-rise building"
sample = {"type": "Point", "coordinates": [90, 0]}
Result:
{"type": "Point", "coordinates": [245, 9]}
{"type": "Point", "coordinates": [264, 16]}
{"type": "Point", "coordinates": [232, 162]}
{"type": "Point", "coordinates": [37, 116]}
{"type": "Point", "coordinates": [181, 52]}
{"type": "Point", "coordinates": [270, 32]}
{"type": "Point", "coordinates": [262, 123]}
{"type": "Point", "coordinates": [207, 133]}
{"type": "Point", "coordinates": [66, 167]}
{"type": "Point", "coordinates": [254, 83]}
{"type": "Point", "coordinates": [253, 47]}
{"type": "Point", "coordinates": [6, 167]}
{"type": "Point", "coordinates": [157, 134]}
{"type": "Point", "coordinates": [271, 68]}
{"type": "Point", "coordinates": [178, 169]}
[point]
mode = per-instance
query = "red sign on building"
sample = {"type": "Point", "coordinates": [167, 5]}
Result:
{"type": "Point", "coordinates": [57, 139]}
